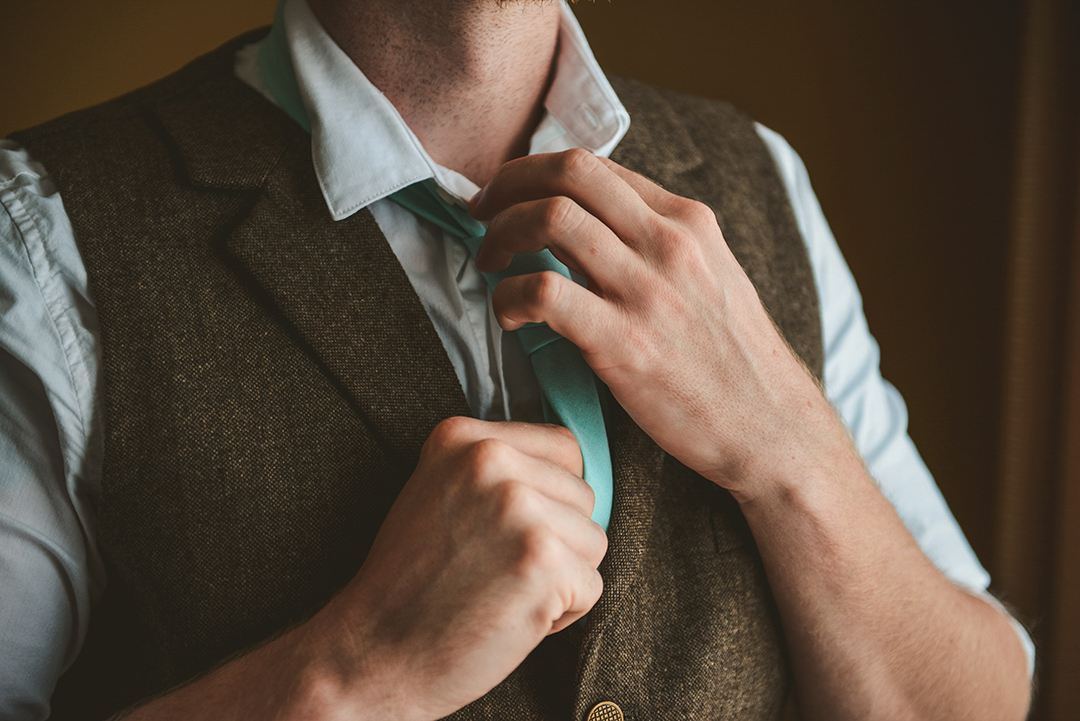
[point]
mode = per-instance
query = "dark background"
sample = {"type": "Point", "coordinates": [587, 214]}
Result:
{"type": "Point", "coordinates": [904, 112]}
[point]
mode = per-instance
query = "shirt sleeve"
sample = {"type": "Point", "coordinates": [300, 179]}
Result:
{"type": "Point", "coordinates": [872, 408]}
{"type": "Point", "coordinates": [50, 446]}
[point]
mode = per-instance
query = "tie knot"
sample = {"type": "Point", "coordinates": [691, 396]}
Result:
{"type": "Point", "coordinates": [426, 200]}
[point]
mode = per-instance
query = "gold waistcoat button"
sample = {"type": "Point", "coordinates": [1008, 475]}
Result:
{"type": "Point", "coordinates": [606, 711]}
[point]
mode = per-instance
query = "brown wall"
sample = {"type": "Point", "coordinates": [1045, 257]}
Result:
{"type": "Point", "coordinates": [60, 55]}
{"type": "Point", "coordinates": [903, 112]}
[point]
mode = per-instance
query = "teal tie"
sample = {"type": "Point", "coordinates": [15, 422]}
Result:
{"type": "Point", "coordinates": [567, 383]}
{"type": "Point", "coordinates": [568, 386]}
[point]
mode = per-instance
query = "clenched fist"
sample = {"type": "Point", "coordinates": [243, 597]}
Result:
{"type": "Point", "coordinates": [488, 549]}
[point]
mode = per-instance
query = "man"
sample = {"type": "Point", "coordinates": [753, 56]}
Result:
{"type": "Point", "coordinates": [297, 515]}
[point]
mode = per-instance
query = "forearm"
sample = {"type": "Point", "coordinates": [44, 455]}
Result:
{"type": "Point", "coordinates": [290, 677]}
{"type": "Point", "coordinates": [874, 629]}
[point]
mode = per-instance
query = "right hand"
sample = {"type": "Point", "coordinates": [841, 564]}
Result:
{"type": "Point", "coordinates": [488, 549]}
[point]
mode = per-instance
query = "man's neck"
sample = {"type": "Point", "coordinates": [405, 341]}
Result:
{"type": "Point", "coordinates": [468, 76]}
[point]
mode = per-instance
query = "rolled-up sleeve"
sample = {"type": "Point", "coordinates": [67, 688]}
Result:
{"type": "Point", "coordinates": [50, 441]}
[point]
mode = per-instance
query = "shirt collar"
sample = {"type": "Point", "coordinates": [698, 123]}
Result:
{"type": "Point", "coordinates": [353, 125]}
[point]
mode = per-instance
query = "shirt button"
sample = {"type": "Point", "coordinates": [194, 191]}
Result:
{"type": "Point", "coordinates": [606, 711]}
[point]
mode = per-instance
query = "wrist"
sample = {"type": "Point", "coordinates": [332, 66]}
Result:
{"type": "Point", "coordinates": [794, 443]}
{"type": "Point", "coordinates": [337, 676]}
{"type": "Point", "coordinates": [319, 687]}
{"type": "Point", "coordinates": [807, 481]}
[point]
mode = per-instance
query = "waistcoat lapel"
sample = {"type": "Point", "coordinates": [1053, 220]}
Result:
{"type": "Point", "coordinates": [336, 286]}
{"type": "Point", "coordinates": [347, 300]}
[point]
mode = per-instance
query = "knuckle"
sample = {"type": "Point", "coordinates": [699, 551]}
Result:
{"type": "Point", "coordinates": [590, 496]}
{"type": "Point", "coordinates": [677, 245]}
{"type": "Point", "coordinates": [674, 241]}
{"type": "Point", "coordinates": [548, 609]}
{"type": "Point", "coordinates": [514, 503]}
{"type": "Point", "coordinates": [577, 164]}
{"type": "Point", "coordinates": [695, 213]}
{"type": "Point", "coordinates": [598, 547]}
{"type": "Point", "coordinates": [545, 289]}
{"type": "Point", "coordinates": [658, 226]}
{"type": "Point", "coordinates": [596, 588]}
{"type": "Point", "coordinates": [487, 455]}
{"type": "Point", "coordinates": [565, 436]}
{"type": "Point", "coordinates": [452, 431]}
{"type": "Point", "coordinates": [539, 550]}
{"type": "Point", "coordinates": [560, 215]}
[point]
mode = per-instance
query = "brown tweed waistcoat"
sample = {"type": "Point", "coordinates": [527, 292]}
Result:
{"type": "Point", "coordinates": [269, 376]}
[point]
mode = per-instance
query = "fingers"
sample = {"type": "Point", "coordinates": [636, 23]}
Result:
{"type": "Point", "coordinates": [654, 196]}
{"type": "Point", "coordinates": [600, 219]}
{"type": "Point", "coordinates": [586, 588]}
{"type": "Point", "coordinates": [530, 508]}
{"type": "Point", "coordinates": [559, 586]}
{"type": "Point", "coordinates": [526, 489]}
{"type": "Point", "coordinates": [559, 560]}
{"type": "Point", "coordinates": [494, 463]}
{"type": "Point", "coordinates": [559, 546]}
{"type": "Point", "coordinates": [487, 548]}
{"type": "Point", "coordinates": [550, 442]}
{"type": "Point", "coordinates": [575, 174]}
{"type": "Point", "coordinates": [542, 510]}
{"type": "Point", "coordinates": [576, 238]}
{"type": "Point", "coordinates": [586, 320]}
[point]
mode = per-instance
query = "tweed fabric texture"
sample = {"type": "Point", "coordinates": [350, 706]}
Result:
{"type": "Point", "coordinates": [269, 376]}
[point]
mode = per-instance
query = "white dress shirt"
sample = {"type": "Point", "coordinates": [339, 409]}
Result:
{"type": "Point", "coordinates": [51, 439]}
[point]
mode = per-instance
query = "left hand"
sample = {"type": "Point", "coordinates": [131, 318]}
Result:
{"type": "Point", "coordinates": [669, 321]}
